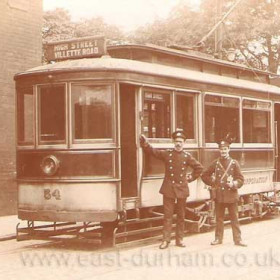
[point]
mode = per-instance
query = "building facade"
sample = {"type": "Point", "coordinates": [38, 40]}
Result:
{"type": "Point", "coordinates": [20, 49]}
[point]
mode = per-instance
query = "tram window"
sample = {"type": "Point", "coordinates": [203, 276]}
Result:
{"type": "Point", "coordinates": [25, 116]}
{"type": "Point", "coordinates": [52, 114]}
{"type": "Point", "coordinates": [221, 118]}
{"type": "Point", "coordinates": [157, 115]}
{"type": "Point", "coordinates": [185, 114]}
{"type": "Point", "coordinates": [256, 121]}
{"type": "Point", "coordinates": [92, 108]}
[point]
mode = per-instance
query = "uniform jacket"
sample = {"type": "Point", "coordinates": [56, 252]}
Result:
{"type": "Point", "coordinates": [218, 174]}
{"type": "Point", "coordinates": [175, 183]}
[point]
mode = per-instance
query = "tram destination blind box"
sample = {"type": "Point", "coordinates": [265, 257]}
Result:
{"type": "Point", "coordinates": [76, 48]}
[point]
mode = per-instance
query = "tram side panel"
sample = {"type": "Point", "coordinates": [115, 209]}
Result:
{"type": "Point", "coordinates": [150, 192]}
{"type": "Point", "coordinates": [152, 180]}
{"type": "Point", "coordinates": [257, 167]}
{"type": "Point", "coordinates": [65, 197]}
{"type": "Point", "coordinates": [67, 202]}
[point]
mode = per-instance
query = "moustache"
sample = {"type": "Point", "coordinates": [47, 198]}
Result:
{"type": "Point", "coordinates": [178, 147]}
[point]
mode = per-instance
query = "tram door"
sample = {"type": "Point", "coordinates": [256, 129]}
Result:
{"type": "Point", "coordinates": [277, 141]}
{"type": "Point", "coordinates": [128, 141]}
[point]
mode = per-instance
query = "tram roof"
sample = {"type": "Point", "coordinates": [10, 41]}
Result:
{"type": "Point", "coordinates": [107, 63]}
{"type": "Point", "coordinates": [182, 52]}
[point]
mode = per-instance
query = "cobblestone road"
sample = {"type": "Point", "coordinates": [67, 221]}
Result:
{"type": "Point", "coordinates": [199, 260]}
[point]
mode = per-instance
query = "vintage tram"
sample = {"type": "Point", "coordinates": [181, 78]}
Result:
{"type": "Point", "coordinates": [80, 168]}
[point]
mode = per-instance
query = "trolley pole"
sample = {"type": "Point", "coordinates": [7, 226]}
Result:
{"type": "Point", "coordinates": [217, 26]}
{"type": "Point", "coordinates": [219, 30]}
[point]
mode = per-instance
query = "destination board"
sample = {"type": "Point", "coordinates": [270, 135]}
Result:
{"type": "Point", "coordinates": [76, 48]}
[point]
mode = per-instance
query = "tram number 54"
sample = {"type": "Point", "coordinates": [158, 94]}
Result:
{"type": "Point", "coordinates": [48, 194]}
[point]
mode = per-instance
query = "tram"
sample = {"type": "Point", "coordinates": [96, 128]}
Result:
{"type": "Point", "coordinates": [80, 167]}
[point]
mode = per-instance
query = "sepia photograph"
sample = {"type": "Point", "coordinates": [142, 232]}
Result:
{"type": "Point", "coordinates": [140, 139]}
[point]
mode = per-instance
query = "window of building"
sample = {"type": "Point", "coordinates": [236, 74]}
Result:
{"type": "Point", "coordinates": [52, 111]}
{"type": "Point", "coordinates": [157, 119]}
{"type": "Point", "coordinates": [256, 121]}
{"type": "Point", "coordinates": [25, 116]}
{"type": "Point", "coordinates": [92, 111]}
{"type": "Point", "coordinates": [221, 118]}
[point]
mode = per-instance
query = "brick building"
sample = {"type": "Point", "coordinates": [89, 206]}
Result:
{"type": "Point", "coordinates": [20, 49]}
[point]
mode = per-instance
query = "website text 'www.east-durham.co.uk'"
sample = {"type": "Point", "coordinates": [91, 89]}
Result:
{"type": "Point", "coordinates": [142, 258]}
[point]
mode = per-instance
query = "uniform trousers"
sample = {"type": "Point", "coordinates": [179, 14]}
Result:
{"type": "Point", "coordinates": [168, 208]}
{"type": "Point", "coordinates": [233, 215]}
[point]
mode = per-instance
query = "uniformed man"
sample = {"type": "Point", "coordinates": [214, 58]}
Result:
{"type": "Point", "coordinates": [225, 178]}
{"type": "Point", "coordinates": [175, 184]}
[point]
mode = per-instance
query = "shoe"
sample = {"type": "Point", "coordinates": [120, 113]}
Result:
{"type": "Point", "coordinates": [180, 244]}
{"type": "Point", "coordinates": [216, 242]}
{"type": "Point", "coordinates": [240, 243]}
{"type": "Point", "coordinates": [164, 245]}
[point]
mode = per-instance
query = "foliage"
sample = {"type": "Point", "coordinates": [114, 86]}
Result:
{"type": "Point", "coordinates": [252, 30]}
{"type": "Point", "coordinates": [97, 26]}
{"type": "Point", "coordinates": [255, 33]}
{"type": "Point", "coordinates": [180, 28]}
{"type": "Point", "coordinates": [57, 25]}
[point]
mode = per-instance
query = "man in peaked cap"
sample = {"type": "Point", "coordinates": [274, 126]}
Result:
{"type": "Point", "coordinates": [175, 184]}
{"type": "Point", "coordinates": [225, 178]}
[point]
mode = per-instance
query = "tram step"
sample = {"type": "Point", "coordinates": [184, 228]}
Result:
{"type": "Point", "coordinates": [138, 221]}
{"type": "Point", "coordinates": [137, 231]}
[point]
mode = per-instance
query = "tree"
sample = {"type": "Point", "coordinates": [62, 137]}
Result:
{"type": "Point", "coordinates": [180, 28]}
{"type": "Point", "coordinates": [252, 30]}
{"type": "Point", "coordinates": [57, 25]}
{"type": "Point", "coordinates": [255, 32]}
{"type": "Point", "coordinates": [97, 26]}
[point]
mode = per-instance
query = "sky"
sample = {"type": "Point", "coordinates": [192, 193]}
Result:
{"type": "Point", "coordinates": [126, 14]}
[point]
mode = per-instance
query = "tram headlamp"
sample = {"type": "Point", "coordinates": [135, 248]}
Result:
{"type": "Point", "coordinates": [49, 165]}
